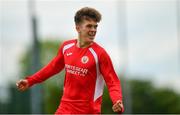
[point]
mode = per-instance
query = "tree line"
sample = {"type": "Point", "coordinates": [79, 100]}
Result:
{"type": "Point", "coordinates": [145, 97]}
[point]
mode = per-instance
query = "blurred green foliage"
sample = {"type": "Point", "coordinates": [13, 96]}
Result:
{"type": "Point", "coordinates": [149, 99]}
{"type": "Point", "coordinates": [146, 98]}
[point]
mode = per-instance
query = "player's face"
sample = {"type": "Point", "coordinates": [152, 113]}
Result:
{"type": "Point", "coordinates": [87, 30]}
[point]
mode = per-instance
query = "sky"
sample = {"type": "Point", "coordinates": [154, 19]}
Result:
{"type": "Point", "coordinates": [139, 35]}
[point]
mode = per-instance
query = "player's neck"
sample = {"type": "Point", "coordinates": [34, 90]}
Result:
{"type": "Point", "coordinates": [82, 44]}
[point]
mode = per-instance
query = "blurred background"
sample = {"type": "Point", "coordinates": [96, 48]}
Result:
{"type": "Point", "coordinates": [142, 38]}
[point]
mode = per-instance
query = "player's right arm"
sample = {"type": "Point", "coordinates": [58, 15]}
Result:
{"type": "Point", "coordinates": [54, 67]}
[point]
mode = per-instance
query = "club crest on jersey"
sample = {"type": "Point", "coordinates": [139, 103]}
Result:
{"type": "Point", "coordinates": [84, 59]}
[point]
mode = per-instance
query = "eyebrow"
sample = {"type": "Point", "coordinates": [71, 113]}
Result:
{"type": "Point", "coordinates": [92, 25]}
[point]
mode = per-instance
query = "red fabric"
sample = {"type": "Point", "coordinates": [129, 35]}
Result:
{"type": "Point", "coordinates": [81, 92]}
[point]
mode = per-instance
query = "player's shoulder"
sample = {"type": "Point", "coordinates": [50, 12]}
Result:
{"type": "Point", "coordinates": [100, 51]}
{"type": "Point", "coordinates": [71, 41]}
{"type": "Point", "coordinates": [66, 44]}
{"type": "Point", "coordinates": [98, 48]}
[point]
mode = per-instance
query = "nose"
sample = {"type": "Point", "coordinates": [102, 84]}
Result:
{"type": "Point", "coordinates": [93, 28]}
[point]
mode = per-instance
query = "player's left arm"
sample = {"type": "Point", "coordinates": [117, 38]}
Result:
{"type": "Point", "coordinates": [112, 81]}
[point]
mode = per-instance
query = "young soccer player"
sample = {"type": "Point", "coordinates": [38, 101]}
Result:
{"type": "Point", "coordinates": [87, 65]}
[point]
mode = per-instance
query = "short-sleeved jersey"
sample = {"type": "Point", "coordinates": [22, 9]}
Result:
{"type": "Point", "coordinates": [86, 69]}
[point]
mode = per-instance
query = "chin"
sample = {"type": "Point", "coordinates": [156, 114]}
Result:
{"type": "Point", "coordinates": [91, 38]}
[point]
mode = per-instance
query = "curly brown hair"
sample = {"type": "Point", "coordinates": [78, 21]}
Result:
{"type": "Point", "coordinates": [87, 13]}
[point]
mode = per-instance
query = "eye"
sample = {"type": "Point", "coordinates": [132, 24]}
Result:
{"type": "Point", "coordinates": [89, 26]}
{"type": "Point", "coordinates": [95, 26]}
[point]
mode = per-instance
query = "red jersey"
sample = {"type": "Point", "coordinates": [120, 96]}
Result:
{"type": "Point", "coordinates": [85, 72]}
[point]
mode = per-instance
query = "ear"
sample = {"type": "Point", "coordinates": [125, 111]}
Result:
{"type": "Point", "coordinates": [77, 28]}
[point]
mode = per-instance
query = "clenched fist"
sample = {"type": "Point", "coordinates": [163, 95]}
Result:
{"type": "Point", "coordinates": [118, 106]}
{"type": "Point", "coordinates": [22, 85]}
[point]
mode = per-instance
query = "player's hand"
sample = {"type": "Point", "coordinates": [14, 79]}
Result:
{"type": "Point", "coordinates": [22, 85]}
{"type": "Point", "coordinates": [118, 106]}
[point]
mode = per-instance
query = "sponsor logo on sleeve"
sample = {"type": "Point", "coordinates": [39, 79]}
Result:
{"type": "Point", "coordinates": [68, 54]}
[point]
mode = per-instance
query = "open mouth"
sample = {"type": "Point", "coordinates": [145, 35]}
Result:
{"type": "Point", "coordinates": [92, 34]}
